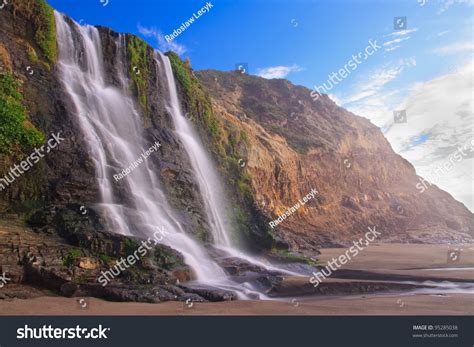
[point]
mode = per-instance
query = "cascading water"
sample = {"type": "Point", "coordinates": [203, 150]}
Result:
{"type": "Point", "coordinates": [202, 166]}
{"type": "Point", "coordinates": [205, 174]}
{"type": "Point", "coordinates": [112, 130]}
{"type": "Point", "coordinates": [111, 126]}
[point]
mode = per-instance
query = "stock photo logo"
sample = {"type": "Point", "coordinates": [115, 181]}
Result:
{"type": "Point", "coordinates": [400, 116]}
{"type": "Point", "coordinates": [243, 68]}
{"type": "Point", "coordinates": [400, 23]}
{"type": "Point", "coordinates": [82, 303]}
{"type": "Point", "coordinates": [454, 256]}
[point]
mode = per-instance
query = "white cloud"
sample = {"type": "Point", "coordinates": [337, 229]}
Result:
{"type": "Point", "coordinates": [374, 83]}
{"type": "Point", "coordinates": [448, 3]}
{"type": "Point", "coordinates": [402, 32]}
{"type": "Point", "coordinates": [442, 108]}
{"type": "Point", "coordinates": [408, 62]}
{"type": "Point", "coordinates": [277, 71]}
{"type": "Point", "coordinates": [392, 48]}
{"type": "Point", "coordinates": [397, 37]}
{"type": "Point", "coordinates": [457, 47]}
{"type": "Point", "coordinates": [389, 43]}
{"type": "Point", "coordinates": [163, 44]}
{"type": "Point", "coordinates": [443, 33]}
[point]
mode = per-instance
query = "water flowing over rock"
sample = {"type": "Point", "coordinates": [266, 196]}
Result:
{"type": "Point", "coordinates": [236, 151]}
{"type": "Point", "coordinates": [111, 126]}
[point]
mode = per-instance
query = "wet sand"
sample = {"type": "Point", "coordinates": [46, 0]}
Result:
{"type": "Point", "coordinates": [418, 261]}
{"type": "Point", "coordinates": [414, 260]}
{"type": "Point", "coordinates": [455, 304]}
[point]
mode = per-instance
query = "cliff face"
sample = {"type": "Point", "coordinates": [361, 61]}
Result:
{"type": "Point", "coordinates": [272, 145]}
{"type": "Point", "coordinates": [296, 144]}
{"type": "Point", "coordinates": [52, 234]}
{"type": "Point", "coordinates": [65, 178]}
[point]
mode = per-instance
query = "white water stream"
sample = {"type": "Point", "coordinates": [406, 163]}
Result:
{"type": "Point", "coordinates": [112, 130]}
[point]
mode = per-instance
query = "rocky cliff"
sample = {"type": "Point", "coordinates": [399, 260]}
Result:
{"type": "Point", "coordinates": [66, 176]}
{"type": "Point", "coordinates": [272, 144]}
{"type": "Point", "coordinates": [295, 144]}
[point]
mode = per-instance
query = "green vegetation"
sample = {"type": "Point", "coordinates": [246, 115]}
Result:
{"type": "Point", "coordinates": [130, 246]}
{"type": "Point", "coordinates": [42, 16]}
{"type": "Point", "coordinates": [201, 234]}
{"type": "Point", "coordinates": [71, 257]}
{"type": "Point", "coordinates": [293, 258]}
{"type": "Point", "coordinates": [244, 136]}
{"type": "Point", "coordinates": [32, 56]}
{"type": "Point", "coordinates": [81, 279]}
{"type": "Point", "coordinates": [228, 144]}
{"type": "Point", "coordinates": [138, 58]}
{"type": "Point", "coordinates": [167, 259]}
{"type": "Point", "coordinates": [106, 259]}
{"type": "Point", "coordinates": [46, 30]}
{"type": "Point", "coordinates": [31, 212]}
{"type": "Point", "coordinates": [16, 132]}
{"type": "Point", "coordinates": [197, 102]}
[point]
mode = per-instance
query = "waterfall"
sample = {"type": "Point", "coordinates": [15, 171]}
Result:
{"type": "Point", "coordinates": [203, 168]}
{"type": "Point", "coordinates": [111, 128]}
{"type": "Point", "coordinates": [205, 174]}
{"type": "Point", "coordinates": [110, 125]}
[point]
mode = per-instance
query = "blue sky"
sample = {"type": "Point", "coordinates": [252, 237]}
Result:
{"type": "Point", "coordinates": [425, 69]}
{"type": "Point", "coordinates": [317, 36]}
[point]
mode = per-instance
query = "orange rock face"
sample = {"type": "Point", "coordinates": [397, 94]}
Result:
{"type": "Point", "coordinates": [296, 144]}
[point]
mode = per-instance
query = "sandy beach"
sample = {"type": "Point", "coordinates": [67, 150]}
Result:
{"type": "Point", "coordinates": [385, 260]}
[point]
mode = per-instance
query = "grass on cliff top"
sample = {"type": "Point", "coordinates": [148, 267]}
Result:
{"type": "Point", "coordinates": [196, 100]}
{"type": "Point", "coordinates": [44, 23]}
{"type": "Point", "coordinates": [16, 132]}
{"type": "Point", "coordinates": [138, 58]}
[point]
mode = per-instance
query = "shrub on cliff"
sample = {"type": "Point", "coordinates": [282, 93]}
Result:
{"type": "Point", "coordinates": [15, 129]}
{"type": "Point", "coordinates": [41, 15]}
{"type": "Point", "coordinates": [138, 58]}
{"type": "Point", "coordinates": [196, 100]}
{"type": "Point", "coordinates": [225, 143]}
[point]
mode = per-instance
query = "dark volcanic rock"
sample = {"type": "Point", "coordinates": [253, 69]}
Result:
{"type": "Point", "coordinates": [46, 260]}
{"type": "Point", "coordinates": [210, 293]}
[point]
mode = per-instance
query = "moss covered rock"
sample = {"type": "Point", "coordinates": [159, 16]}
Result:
{"type": "Point", "coordinates": [16, 131]}
{"type": "Point", "coordinates": [138, 58]}
{"type": "Point", "coordinates": [41, 16]}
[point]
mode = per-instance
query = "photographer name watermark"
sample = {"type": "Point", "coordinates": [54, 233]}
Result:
{"type": "Point", "coordinates": [178, 31]}
{"type": "Point", "coordinates": [128, 170]}
{"type": "Point", "coordinates": [293, 208]}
